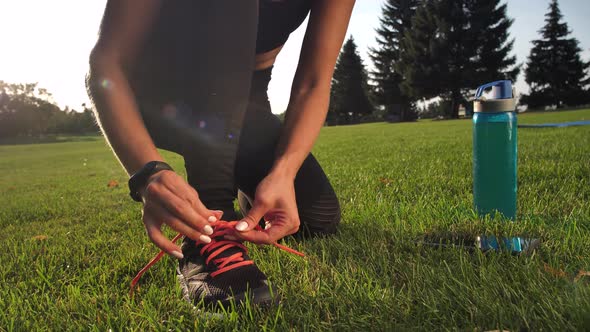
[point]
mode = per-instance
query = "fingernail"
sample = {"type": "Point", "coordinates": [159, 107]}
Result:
{"type": "Point", "coordinates": [177, 254]}
{"type": "Point", "coordinates": [207, 230]}
{"type": "Point", "coordinates": [212, 219]}
{"type": "Point", "coordinates": [241, 226]}
{"type": "Point", "coordinates": [205, 239]}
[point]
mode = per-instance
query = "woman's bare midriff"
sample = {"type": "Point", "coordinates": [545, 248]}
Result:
{"type": "Point", "coordinates": [267, 59]}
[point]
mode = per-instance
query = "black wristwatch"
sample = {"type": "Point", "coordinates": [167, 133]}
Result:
{"type": "Point", "coordinates": [139, 179]}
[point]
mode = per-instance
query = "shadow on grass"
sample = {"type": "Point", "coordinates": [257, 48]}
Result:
{"type": "Point", "coordinates": [375, 239]}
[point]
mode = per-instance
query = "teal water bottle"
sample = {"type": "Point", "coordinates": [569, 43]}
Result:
{"type": "Point", "coordinates": [494, 150]}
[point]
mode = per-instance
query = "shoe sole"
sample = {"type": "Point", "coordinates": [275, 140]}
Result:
{"type": "Point", "coordinates": [262, 296]}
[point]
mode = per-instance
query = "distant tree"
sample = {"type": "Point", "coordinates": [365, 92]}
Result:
{"type": "Point", "coordinates": [88, 123]}
{"type": "Point", "coordinates": [455, 46]}
{"type": "Point", "coordinates": [556, 74]}
{"type": "Point", "coordinates": [435, 109]}
{"type": "Point", "coordinates": [395, 20]}
{"type": "Point", "coordinates": [349, 97]}
{"type": "Point", "coordinates": [27, 110]}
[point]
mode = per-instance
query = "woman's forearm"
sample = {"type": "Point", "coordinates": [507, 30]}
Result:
{"type": "Point", "coordinates": [310, 94]}
{"type": "Point", "coordinates": [118, 115]}
{"type": "Point", "coordinates": [304, 118]}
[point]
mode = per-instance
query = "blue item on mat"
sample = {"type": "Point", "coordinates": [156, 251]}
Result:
{"type": "Point", "coordinates": [515, 245]}
{"type": "Point", "coordinates": [555, 125]}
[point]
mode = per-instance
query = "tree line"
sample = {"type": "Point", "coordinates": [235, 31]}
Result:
{"type": "Point", "coordinates": [27, 110]}
{"type": "Point", "coordinates": [444, 49]}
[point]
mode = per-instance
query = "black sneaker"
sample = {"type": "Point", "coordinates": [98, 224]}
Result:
{"type": "Point", "coordinates": [220, 272]}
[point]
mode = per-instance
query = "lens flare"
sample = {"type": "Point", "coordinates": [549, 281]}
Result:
{"type": "Point", "coordinates": [169, 111]}
{"type": "Point", "coordinates": [106, 84]}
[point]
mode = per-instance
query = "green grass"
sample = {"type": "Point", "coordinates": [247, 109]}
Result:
{"type": "Point", "coordinates": [398, 184]}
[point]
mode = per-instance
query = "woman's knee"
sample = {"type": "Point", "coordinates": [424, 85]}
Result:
{"type": "Point", "coordinates": [322, 217]}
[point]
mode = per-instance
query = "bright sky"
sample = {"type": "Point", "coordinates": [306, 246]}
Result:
{"type": "Point", "coordinates": [49, 41]}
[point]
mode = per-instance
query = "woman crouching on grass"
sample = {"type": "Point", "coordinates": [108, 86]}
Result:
{"type": "Point", "coordinates": [191, 76]}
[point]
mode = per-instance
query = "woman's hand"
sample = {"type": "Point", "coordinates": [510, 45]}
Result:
{"type": "Point", "coordinates": [275, 202]}
{"type": "Point", "coordinates": [168, 199]}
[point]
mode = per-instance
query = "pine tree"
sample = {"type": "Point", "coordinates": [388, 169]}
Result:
{"type": "Point", "coordinates": [489, 27]}
{"type": "Point", "coordinates": [349, 97]}
{"type": "Point", "coordinates": [555, 72]}
{"type": "Point", "coordinates": [435, 63]}
{"type": "Point", "coordinates": [421, 62]}
{"type": "Point", "coordinates": [395, 20]}
{"type": "Point", "coordinates": [455, 46]}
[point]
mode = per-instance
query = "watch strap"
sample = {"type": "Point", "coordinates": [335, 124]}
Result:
{"type": "Point", "coordinates": [140, 178]}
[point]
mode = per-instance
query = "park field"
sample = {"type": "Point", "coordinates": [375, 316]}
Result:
{"type": "Point", "coordinates": [72, 239]}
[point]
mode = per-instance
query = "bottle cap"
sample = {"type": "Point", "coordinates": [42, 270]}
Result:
{"type": "Point", "coordinates": [500, 99]}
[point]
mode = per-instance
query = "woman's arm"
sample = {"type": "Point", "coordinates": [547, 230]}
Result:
{"type": "Point", "coordinates": [123, 29]}
{"type": "Point", "coordinates": [167, 197]}
{"type": "Point", "coordinates": [306, 113]}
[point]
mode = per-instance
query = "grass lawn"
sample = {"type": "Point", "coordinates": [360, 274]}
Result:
{"type": "Point", "coordinates": [70, 244]}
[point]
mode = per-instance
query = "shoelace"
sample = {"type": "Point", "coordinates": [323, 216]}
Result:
{"type": "Point", "coordinates": [214, 249]}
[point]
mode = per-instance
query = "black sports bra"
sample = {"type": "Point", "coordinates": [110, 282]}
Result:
{"type": "Point", "coordinates": [277, 19]}
{"type": "Point", "coordinates": [166, 64]}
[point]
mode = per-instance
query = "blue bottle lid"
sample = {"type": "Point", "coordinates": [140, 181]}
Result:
{"type": "Point", "coordinates": [500, 90]}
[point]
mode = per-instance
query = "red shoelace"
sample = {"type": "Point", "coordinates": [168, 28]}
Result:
{"type": "Point", "coordinates": [214, 249]}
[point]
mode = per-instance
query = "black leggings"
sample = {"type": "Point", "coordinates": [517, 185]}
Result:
{"type": "Point", "coordinates": [318, 206]}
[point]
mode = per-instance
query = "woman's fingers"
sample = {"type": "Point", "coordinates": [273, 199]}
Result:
{"type": "Point", "coordinates": [250, 221]}
{"type": "Point", "coordinates": [192, 197]}
{"type": "Point", "coordinates": [159, 193]}
{"type": "Point", "coordinates": [218, 214]}
{"type": "Point", "coordinates": [179, 226]}
{"type": "Point", "coordinates": [269, 235]}
{"type": "Point", "coordinates": [280, 225]}
{"type": "Point", "coordinates": [185, 192]}
{"type": "Point", "coordinates": [258, 237]}
{"type": "Point", "coordinates": [154, 232]}
{"type": "Point", "coordinates": [182, 228]}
